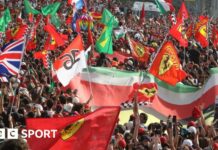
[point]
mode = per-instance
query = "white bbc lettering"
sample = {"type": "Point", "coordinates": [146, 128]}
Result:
{"type": "Point", "coordinates": [12, 133]}
{"type": "Point", "coordinates": [2, 133]}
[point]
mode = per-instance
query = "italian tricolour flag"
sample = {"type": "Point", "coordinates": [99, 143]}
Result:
{"type": "Point", "coordinates": [111, 87]}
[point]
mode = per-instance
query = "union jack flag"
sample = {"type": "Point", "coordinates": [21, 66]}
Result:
{"type": "Point", "coordinates": [11, 57]}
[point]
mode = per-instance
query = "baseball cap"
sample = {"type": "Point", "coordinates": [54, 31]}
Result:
{"type": "Point", "coordinates": [192, 130]}
{"type": "Point", "coordinates": [187, 142]}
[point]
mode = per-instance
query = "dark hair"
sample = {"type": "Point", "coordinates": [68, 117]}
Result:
{"type": "Point", "coordinates": [31, 115]}
{"type": "Point", "coordinates": [49, 104]}
{"type": "Point", "coordinates": [59, 108]}
{"type": "Point", "coordinates": [77, 107]}
{"type": "Point", "coordinates": [17, 144]}
{"type": "Point", "coordinates": [145, 117]}
{"type": "Point", "coordinates": [62, 99]}
{"type": "Point", "coordinates": [69, 99]}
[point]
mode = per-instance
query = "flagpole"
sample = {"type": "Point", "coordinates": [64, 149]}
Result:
{"type": "Point", "coordinates": [158, 51]}
{"type": "Point", "coordinates": [208, 26]}
{"type": "Point", "coordinates": [88, 71]}
{"type": "Point", "coordinates": [17, 88]}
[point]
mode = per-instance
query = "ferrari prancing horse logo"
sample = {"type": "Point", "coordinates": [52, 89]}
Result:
{"type": "Point", "coordinates": [71, 129]}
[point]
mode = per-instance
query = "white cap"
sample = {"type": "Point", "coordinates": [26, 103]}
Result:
{"type": "Point", "coordinates": [192, 129]}
{"type": "Point", "coordinates": [187, 142]}
{"type": "Point", "coordinates": [39, 107]}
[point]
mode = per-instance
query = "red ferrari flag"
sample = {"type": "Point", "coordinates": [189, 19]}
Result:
{"type": "Point", "coordinates": [145, 91]}
{"type": "Point", "coordinates": [85, 132]}
{"type": "Point", "coordinates": [215, 37]}
{"type": "Point", "coordinates": [50, 43]}
{"type": "Point", "coordinates": [201, 34]}
{"type": "Point", "coordinates": [57, 36]}
{"type": "Point", "coordinates": [166, 65]}
{"type": "Point", "coordinates": [139, 51]}
{"type": "Point", "coordinates": [183, 12]}
{"type": "Point", "coordinates": [43, 55]}
{"type": "Point", "coordinates": [20, 31]}
{"type": "Point", "coordinates": [177, 31]}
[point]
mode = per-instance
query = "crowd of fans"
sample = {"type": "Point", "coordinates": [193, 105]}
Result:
{"type": "Point", "coordinates": [34, 93]}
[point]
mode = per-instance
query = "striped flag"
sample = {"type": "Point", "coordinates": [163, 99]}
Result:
{"type": "Point", "coordinates": [11, 57]}
{"type": "Point", "coordinates": [111, 87]}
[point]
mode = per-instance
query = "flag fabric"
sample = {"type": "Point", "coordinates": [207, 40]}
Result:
{"type": "Point", "coordinates": [8, 35]}
{"type": "Point", "coordinates": [170, 4]}
{"type": "Point", "coordinates": [142, 15]}
{"type": "Point", "coordinates": [160, 7]}
{"type": "Point", "coordinates": [189, 31]}
{"type": "Point", "coordinates": [84, 24]}
{"type": "Point", "coordinates": [7, 16]}
{"type": "Point", "coordinates": [183, 12]}
{"type": "Point", "coordinates": [96, 15]}
{"type": "Point", "coordinates": [52, 11]}
{"type": "Point", "coordinates": [20, 31]}
{"type": "Point", "coordinates": [11, 57]}
{"type": "Point", "coordinates": [4, 20]}
{"type": "Point", "coordinates": [71, 61]}
{"type": "Point", "coordinates": [79, 4]}
{"type": "Point", "coordinates": [166, 65]}
{"type": "Point", "coordinates": [201, 34]}
{"type": "Point", "coordinates": [104, 42]}
{"type": "Point", "coordinates": [31, 44]}
{"type": "Point", "coordinates": [50, 43]}
{"type": "Point", "coordinates": [139, 51]}
{"type": "Point", "coordinates": [108, 19]}
{"type": "Point", "coordinates": [144, 92]}
{"type": "Point", "coordinates": [57, 36]}
{"type": "Point", "coordinates": [43, 55]}
{"type": "Point", "coordinates": [75, 23]}
{"type": "Point", "coordinates": [111, 83]}
{"type": "Point", "coordinates": [89, 131]}
{"type": "Point", "coordinates": [29, 9]}
{"type": "Point", "coordinates": [177, 31]}
{"type": "Point", "coordinates": [55, 20]}
{"type": "Point", "coordinates": [215, 37]}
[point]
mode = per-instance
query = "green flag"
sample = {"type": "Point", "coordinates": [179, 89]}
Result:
{"type": "Point", "coordinates": [7, 16]}
{"type": "Point", "coordinates": [2, 24]}
{"type": "Point", "coordinates": [4, 20]}
{"type": "Point", "coordinates": [55, 20]}
{"type": "Point", "coordinates": [160, 7]}
{"type": "Point", "coordinates": [104, 42]}
{"type": "Point", "coordinates": [51, 9]}
{"type": "Point", "coordinates": [108, 19]}
{"type": "Point", "coordinates": [29, 9]}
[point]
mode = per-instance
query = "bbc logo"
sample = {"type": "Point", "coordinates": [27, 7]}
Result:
{"type": "Point", "coordinates": [11, 134]}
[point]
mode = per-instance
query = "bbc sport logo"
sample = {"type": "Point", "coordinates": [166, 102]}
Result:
{"type": "Point", "coordinates": [11, 133]}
